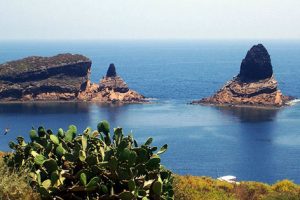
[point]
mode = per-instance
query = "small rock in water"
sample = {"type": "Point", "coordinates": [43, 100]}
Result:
{"type": "Point", "coordinates": [112, 89]}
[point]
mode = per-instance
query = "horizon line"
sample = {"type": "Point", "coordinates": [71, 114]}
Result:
{"type": "Point", "coordinates": [147, 39]}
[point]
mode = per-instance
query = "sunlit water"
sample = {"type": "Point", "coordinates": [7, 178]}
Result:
{"type": "Point", "coordinates": [252, 144]}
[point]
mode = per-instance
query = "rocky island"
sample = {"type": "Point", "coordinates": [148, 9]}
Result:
{"type": "Point", "coordinates": [64, 77]}
{"type": "Point", "coordinates": [111, 89]}
{"type": "Point", "coordinates": [255, 85]}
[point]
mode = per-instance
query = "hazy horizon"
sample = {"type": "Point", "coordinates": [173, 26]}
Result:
{"type": "Point", "coordinates": [149, 20]}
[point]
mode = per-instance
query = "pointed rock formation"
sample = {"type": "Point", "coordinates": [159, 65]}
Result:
{"type": "Point", "coordinates": [256, 65]}
{"type": "Point", "coordinates": [111, 89]}
{"type": "Point", "coordinates": [111, 72]}
{"type": "Point", "coordinates": [255, 85]}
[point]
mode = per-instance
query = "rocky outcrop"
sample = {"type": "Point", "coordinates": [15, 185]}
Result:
{"type": "Point", "coordinates": [255, 85]}
{"type": "Point", "coordinates": [112, 89]}
{"type": "Point", "coordinates": [64, 77]}
{"type": "Point", "coordinates": [60, 77]}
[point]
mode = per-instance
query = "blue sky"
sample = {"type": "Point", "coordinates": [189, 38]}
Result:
{"type": "Point", "coordinates": [149, 19]}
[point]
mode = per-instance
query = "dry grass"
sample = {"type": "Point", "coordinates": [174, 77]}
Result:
{"type": "Point", "coordinates": [13, 185]}
{"type": "Point", "coordinates": [2, 154]}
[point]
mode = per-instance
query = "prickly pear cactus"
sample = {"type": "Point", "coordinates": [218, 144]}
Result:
{"type": "Point", "coordinates": [92, 165]}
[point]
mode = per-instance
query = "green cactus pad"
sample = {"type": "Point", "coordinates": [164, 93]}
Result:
{"type": "Point", "coordinates": [126, 195]}
{"type": "Point", "coordinates": [54, 177]}
{"type": "Point", "coordinates": [73, 129]}
{"type": "Point", "coordinates": [46, 183]}
{"type": "Point", "coordinates": [103, 127]}
{"type": "Point", "coordinates": [50, 165]}
{"type": "Point", "coordinates": [84, 142]}
{"type": "Point", "coordinates": [12, 145]}
{"type": "Point", "coordinates": [60, 133]}
{"type": "Point", "coordinates": [83, 179]}
{"type": "Point", "coordinates": [70, 157]}
{"type": "Point", "coordinates": [153, 162]}
{"type": "Point", "coordinates": [33, 135]}
{"type": "Point", "coordinates": [60, 151]}
{"type": "Point", "coordinates": [157, 187]}
{"type": "Point", "coordinates": [93, 183]}
{"type": "Point", "coordinates": [92, 160]}
{"type": "Point", "coordinates": [162, 149]}
{"type": "Point", "coordinates": [148, 142]}
{"type": "Point", "coordinates": [131, 185]}
{"type": "Point", "coordinates": [69, 136]}
{"type": "Point", "coordinates": [82, 156]}
{"type": "Point", "coordinates": [54, 139]}
{"type": "Point", "coordinates": [39, 159]}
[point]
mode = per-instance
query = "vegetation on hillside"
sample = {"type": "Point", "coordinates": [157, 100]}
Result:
{"type": "Point", "coordinates": [203, 188]}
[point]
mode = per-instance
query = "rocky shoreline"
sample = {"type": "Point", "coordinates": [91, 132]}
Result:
{"type": "Point", "coordinates": [255, 85]}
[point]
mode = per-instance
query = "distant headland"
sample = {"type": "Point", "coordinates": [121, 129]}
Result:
{"type": "Point", "coordinates": [64, 77]}
{"type": "Point", "coordinates": [255, 85]}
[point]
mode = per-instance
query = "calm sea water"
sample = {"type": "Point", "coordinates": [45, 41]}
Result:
{"type": "Point", "coordinates": [252, 144]}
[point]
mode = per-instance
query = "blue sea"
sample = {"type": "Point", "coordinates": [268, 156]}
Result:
{"type": "Point", "coordinates": [250, 143]}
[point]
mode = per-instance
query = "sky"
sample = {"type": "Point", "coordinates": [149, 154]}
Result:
{"type": "Point", "coordinates": [149, 19]}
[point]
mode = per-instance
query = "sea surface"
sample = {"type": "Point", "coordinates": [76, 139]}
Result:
{"type": "Point", "coordinates": [250, 143]}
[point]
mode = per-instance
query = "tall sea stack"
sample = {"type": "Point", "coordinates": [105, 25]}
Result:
{"type": "Point", "coordinates": [111, 71]}
{"type": "Point", "coordinates": [255, 85]}
{"type": "Point", "coordinates": [256, 65]}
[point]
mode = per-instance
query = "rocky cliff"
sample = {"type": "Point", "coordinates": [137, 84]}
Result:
{"type": "Point", "coordinates": [255, 85]}
{"type": "Point", "coordinates": [59, 77]}
{"type": "Point", "coordinates": [63, 77]}
{"type": "Point", "coordinates": [112, 89]}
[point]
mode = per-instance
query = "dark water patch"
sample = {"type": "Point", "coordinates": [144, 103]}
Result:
{"type": "Point", "coordinates": [249, 114]}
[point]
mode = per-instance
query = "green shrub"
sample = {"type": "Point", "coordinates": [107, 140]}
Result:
{"type": "Point", "coordinates": [201, 188]}
{"type": "Point", "coordinates": [91, 165]}
{"type": "Point", "coordinates": [285, 186]}
{"type": "Point", "coordinates": [281, 196]}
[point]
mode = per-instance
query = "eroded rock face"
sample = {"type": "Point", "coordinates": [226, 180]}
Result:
{"type": "Point", "coordinates": [59, 77]}
{"type": "Point", "coordinates": [255, 85]}
{"type": "Point", "coordinates": [256, 65]}
{"type": "Point", "coordinates": [114, 83]}
{"type": "Point", "coordinates": [63, 77]}
{"type": "Point", "coordinates": [111, 89]}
